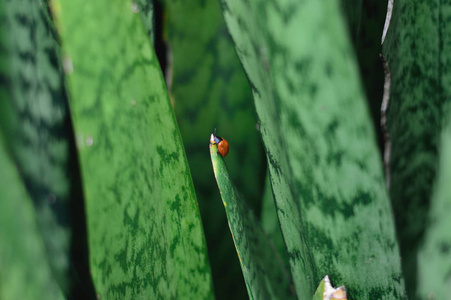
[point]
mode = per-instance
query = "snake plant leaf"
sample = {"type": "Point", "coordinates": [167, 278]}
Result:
{"type": "Point", "coordinates": [34, 117]}
{"type": "Point", "coordinates": [263, 270]}
{"type": "Point", "coordinates": [417, 49]}
{"type": "Point", "coordinates": [325, 291]}
{"type": "Point", "coordinates": [146, 11]}
{"type": "Point", "coordinates": [25, 271]}
{"type": "Point", "coordinates": [145, 233]}
{"type": "Point", "coordinates": [270, 222]}
{"type": "Point", "coordinates": [324, 166]}
{"type": "Point", "coordinates": [434, 258]}
{"type": "Point", "coordinates": [209, 90]}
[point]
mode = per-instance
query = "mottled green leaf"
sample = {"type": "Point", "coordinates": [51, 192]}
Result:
{"type": "Point", "coordinates": [146, 11]}
{"type": "Point", "coordinates": [210, 90]}
{"type": "Point", "coordinates": [263, 270]}
{"type": "Point", "coordinates": [270, 222]}
{"type": "Point", "coordinates": [417, 49]}
{"type": "Point", "coordinates": [34, 117]}
{"type": "Point", "coordinates": [324, 165]}
{"type": "Point", "coordinates": [434, 257]}
{"type": "Point", "coordinates": [145, 233]}
{"type": "Point", "coordinates": [24, 268]}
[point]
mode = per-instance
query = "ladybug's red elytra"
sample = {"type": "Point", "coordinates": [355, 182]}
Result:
{"type": "Point", "coordinates": [223, 145]}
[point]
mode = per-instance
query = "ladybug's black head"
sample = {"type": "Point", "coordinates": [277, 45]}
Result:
{"type": "Point", "coordinates": [215, 139]}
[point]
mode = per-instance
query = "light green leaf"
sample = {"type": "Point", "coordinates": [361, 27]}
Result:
{"type": "Point", "coordinates": [434, 257]}
{"type": "Point", "coordinates": [263, 270]}
{"type": "Point", "coordinates": [146, 11]}
{"type": "Point", "coordinates": [145, 234]}
{"type": "Point", "coordinates": [324, 165]}
{"type": "Point", "coordinates": [417, 49]}
{"type": "Point", "coordinates": [24, 268]}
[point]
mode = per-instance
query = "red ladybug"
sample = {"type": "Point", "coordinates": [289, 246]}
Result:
{"type": "Point", "coordinates": [223, 145]}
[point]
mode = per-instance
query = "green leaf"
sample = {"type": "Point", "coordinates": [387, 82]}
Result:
{"type": "Point", "coordinates": [145, 234]}
{"type": "Point", "coordinates": [146, 11]}
{"type": "Point", "coordinates": [434, 257]}
{"type": "Point", "coordinates": [417, 49]}
{"type": "Point", "coordinates": [263, 270]}
{"type": "Point", "coordinates": [25, 272]}
{"type": "Point", "coordinates": [34, 117]}
{"type": "Point", "coordinates": [210, 90]}
{"type": "Point", "coordinates": [324, 165]}
{"type": "Point", "coordinates": [270, 222]}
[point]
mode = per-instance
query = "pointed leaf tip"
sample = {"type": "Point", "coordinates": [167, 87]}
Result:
{"type": "Point", "coordinates": [326, 291]}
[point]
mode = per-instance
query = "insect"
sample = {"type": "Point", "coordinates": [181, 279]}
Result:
{"type": "Point", "coordinates": [223, 145]}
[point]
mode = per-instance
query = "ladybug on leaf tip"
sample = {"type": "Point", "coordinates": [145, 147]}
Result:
{"type": "Point", "coordinates": [223, 145]}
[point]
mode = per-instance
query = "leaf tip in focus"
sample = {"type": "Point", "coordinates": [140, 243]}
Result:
{"type": "Point", "coordinates": [329, 292]}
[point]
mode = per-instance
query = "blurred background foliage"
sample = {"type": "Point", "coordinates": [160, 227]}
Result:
{"type": "Point", "coordinates": [47, 179]}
